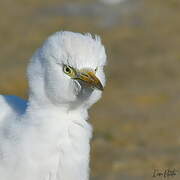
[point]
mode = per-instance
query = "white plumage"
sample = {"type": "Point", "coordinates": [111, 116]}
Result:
{"type": "Point", "coordinates": [47, 137]}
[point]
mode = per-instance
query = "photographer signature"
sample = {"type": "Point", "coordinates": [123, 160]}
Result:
{"type": "Point", "coordinates": [164, 173]}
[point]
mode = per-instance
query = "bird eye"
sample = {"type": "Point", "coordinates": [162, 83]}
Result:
{"type": "Point", "coordinates": [67, 69]}
{"type": "Point", "coordinates": [96, 69]}
{"type": "Point", "coordinates": [70, 71]}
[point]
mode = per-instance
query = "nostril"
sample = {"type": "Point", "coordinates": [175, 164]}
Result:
{"type": "Point", "coordinates": [86, 75]}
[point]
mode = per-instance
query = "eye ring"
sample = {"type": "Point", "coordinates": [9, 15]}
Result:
{"type": "Point", "coordinates": [67, 69]}
{"type": "Point", "coordinates": [96, 69]}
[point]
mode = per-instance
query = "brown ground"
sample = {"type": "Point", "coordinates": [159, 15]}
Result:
{"type": "Point", "coordinates": [137, 122]}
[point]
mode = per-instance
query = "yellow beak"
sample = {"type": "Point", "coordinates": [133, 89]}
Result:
{"type": "Point", "coordinates": [89, 78]}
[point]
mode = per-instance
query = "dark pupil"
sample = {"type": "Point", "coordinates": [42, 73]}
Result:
{"type": "Point", "coordinates": [68, 70]}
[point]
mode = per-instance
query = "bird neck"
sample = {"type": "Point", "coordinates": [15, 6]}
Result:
{"type": "Point", "coordinates": [61, 112]}
{"type": "Point", "coordinates": [65, 135]}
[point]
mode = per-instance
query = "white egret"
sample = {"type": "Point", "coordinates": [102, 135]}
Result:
{"type": "Point", "coordinates": [47, 137]}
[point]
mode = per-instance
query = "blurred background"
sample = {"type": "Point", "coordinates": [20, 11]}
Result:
{"type": "Point", "coordinates": [137, 122]}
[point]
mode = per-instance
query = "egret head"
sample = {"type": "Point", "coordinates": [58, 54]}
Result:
{"type": "Point", "coordinates": [68, 69]}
